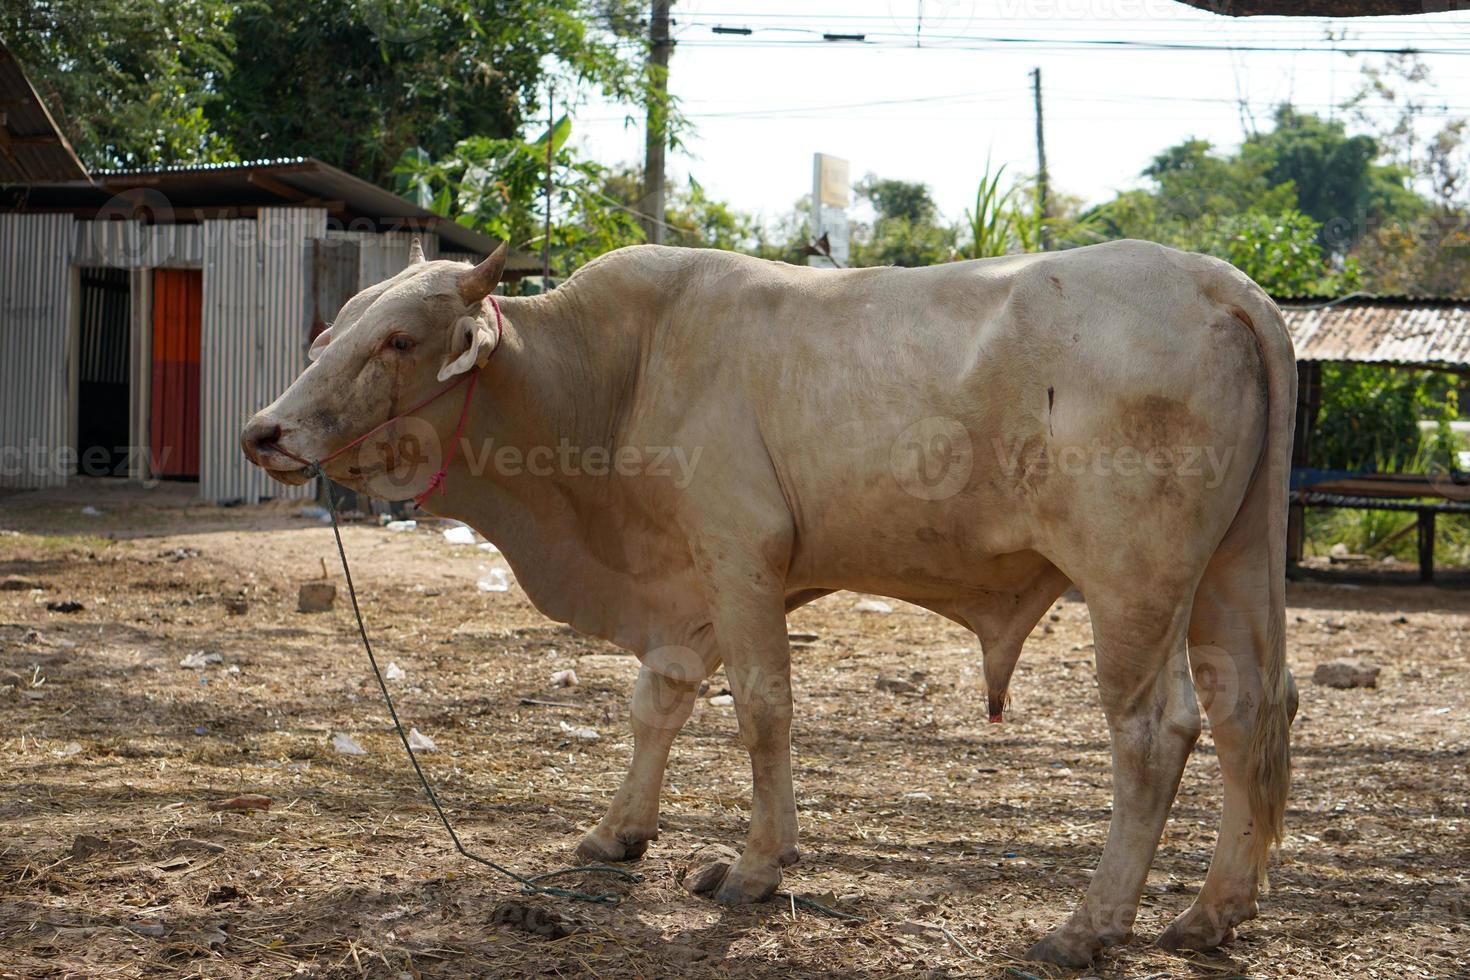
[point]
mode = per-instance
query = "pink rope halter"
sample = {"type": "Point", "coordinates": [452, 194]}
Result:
{"type": "Point", "coordinates": [436, 482]}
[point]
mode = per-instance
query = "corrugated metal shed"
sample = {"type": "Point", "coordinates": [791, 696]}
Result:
{"type": "Point", "coordinates": [253, 339]}
{"type": "Point", "coordinates": [37, 324]}
{"type": "Point", "coordinates": [235, 190]}
{"type": "Point", "coordinates": [134, 245]}
{"type": "Point", "coordinates": [1382, 330]}
{"type": "Point", "coordinates": [31, 145]}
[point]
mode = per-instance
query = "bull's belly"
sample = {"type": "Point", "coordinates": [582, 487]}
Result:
{"type": "Point", "coordinates": [911, 549]}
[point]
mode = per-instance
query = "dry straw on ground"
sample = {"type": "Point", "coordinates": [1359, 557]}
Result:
{"type": "Point", "coordinates": [959, 840]}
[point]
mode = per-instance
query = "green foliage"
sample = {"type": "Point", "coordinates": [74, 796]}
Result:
{"type": "Point", "coordinates": [353, 82]}
{"type": "Point", "coordinates": [1281, 252]}
{"type": "Point", "coordinates": [695, 220]}
{"type": "Point", "coordinates": [357, 82]}
{"type": "Point", "coordinates": [906, 230]}
{"type": "Point", "coordinates": [130, 81]}
{"type": "Point", "coordinates": [1335, 176]}
{"type": "Point", "coordinates": [999, 224]}
{"type": "Point", "coordinates": [904, 199]}
{"type": "Point", "coordinates": [1370, 419]}
{"type": "Point", "coordinates": [498, 186]}
{"type": "Point", "coordinates": [783, 238]}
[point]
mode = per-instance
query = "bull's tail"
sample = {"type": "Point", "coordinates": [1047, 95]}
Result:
{"type": "Point", "coordinates": [1268, 772]}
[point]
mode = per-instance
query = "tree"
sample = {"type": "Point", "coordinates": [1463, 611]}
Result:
{"type": "Point", "coordinates": [692, 218]}
{"type": "Point", "coordinates": [497, 186]}
{"type": "Point", "coordinates": [353, 82]}
{"type": "Point", "coordinates": [1336, 177]}
{"type": "Point", "coordinates": [129, 81]}
{"type": "Point", "coordinates": [906, 230]}
{"type": "Point", "coordinates": [356, 82]}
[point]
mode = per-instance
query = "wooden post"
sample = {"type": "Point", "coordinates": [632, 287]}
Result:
{"type": "Point", "coordinates": [1043, 184]}
{"type": "Point", "coordinates": [1426, 546]}
{"type": "Point", "coordinates": [1308, 401]}
{"type": "Point", "coordinates": [656, 132]}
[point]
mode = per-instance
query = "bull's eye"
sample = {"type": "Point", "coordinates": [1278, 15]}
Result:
{"type": "Point", "coordinates": [400, 342]}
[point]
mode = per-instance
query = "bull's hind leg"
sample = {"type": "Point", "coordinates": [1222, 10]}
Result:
{"type": "Point", "coordinates": [663, 699]}
{"type": "Point", "coordinates": [1143, 681]}
{"type": "Point", "coordinates": [1228, 631]}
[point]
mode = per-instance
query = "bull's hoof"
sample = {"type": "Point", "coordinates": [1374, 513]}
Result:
{"type": "Point", "coordinates": [601, 846]}
{"type": "Point", "coordinates": [1076, 942]}
{"type": "Point", "coordinates": [1201, 928]}
{"type": "Point", "coordinates": [719, 874]}
{"type": "Point", "coordinates": [1068, 951]}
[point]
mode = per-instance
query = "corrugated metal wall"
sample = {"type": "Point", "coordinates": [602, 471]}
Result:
{"type": "Point", "coordinates": [133, 245]}
{"type": "Point", "coordinates": [385, 254]}
{"type": "Point", "coordinates": [140, 369]}
{"type": "Point", "coordinates": [253, 336]}
{"type": "Point", "coordinates": [35, 321]}
{"type": "Point", "coordinates": [253, 339]}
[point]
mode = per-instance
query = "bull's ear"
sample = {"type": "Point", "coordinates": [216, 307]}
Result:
{"type": "Point", "coordinates": [471, 340]}
{"type": "Point", "coordinates": [481, 281]}
{"type": "Point", "coordinates": [415, 251]}
{"type": "Point", "coordinates": [319, 344]}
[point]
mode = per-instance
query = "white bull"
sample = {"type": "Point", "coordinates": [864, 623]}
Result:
{"type": "Point", "coordinates": [677, 447]}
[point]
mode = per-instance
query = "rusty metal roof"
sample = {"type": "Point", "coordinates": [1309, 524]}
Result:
{"type": "Point", "coordinates": [31, 145]}
{"type": "Point", "coordinates": [1383, 330]}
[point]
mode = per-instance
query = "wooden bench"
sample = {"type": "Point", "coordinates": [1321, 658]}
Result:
{"type": "Point", "coordinates": [1422, 494]}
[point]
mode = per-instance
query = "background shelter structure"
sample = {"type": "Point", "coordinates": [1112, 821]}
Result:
{"type": "Point", "coordinates": [148, 312]}
{"type": "Point", "coordinates": [1390, 331]}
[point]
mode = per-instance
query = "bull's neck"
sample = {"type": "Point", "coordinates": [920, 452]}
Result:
{"type": "Point", "coordinates": [556, 377]}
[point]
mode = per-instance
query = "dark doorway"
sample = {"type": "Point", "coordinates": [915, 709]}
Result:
{"type": "Point", "coordinates": [102, 379]}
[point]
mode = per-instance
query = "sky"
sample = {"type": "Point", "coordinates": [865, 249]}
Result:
{"type": "Point", "coordinates": [940, 86]}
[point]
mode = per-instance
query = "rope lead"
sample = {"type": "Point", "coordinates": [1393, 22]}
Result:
{"type": "Point", "coordinates": [528, 883]}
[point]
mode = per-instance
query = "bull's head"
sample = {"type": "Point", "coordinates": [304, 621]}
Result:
{"type": "Point", "coordinates": [392, 346]}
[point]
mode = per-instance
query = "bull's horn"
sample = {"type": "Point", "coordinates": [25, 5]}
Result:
{"type": "Point", "coordinates": [478, 283]}
{"type": "Point", "coordinates": [415, 251]}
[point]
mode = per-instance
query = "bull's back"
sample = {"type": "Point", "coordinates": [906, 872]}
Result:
{"type": "Point", "coordinates": [920, 420]}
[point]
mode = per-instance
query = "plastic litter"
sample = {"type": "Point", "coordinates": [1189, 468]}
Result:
{"type": "Point", "coordinates": [314, 513]}
{"type": "Point", "coordinates": [199, 660]}
{"type": "Point", "coordinates": [420, 742]}
{"type": "Point", "coordinates": [722, 700]}
{"type": "Point", "coordinates": [393, 672]}
{"type": "Point", "coordinates": [580, 733]}
{"type": "Point", "coordinates": [459, 535]}
{"type": "Point", "coordinates": [401, 525]}
{"type": "Point", "coordinates": [564, 678]}
{"type": "Point", "coordinates": [877, 606]}
{"type": "Point", "coordinates": [498, 580]}
{"type": "Point", "coordinates": [346, 745]}
{"type": "Point", "coordinates": [91, 511]}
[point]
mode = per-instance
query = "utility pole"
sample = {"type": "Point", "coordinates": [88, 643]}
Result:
{"type": "Point", "coordinates": [550, 161]}
{"type": "Point", "coordinates": [656, 133]}
{"type": "Point", "coordinates": [1043, 192]}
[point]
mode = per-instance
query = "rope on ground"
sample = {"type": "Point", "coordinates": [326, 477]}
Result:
{"type": "Point", "coordinates": [529, 883]}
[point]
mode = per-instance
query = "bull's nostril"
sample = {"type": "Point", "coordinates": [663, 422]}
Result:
{"type": "Point", "coordinates": [259, 437]}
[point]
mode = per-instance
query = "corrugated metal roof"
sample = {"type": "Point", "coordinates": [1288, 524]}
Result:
{"type": "Point", "coordinates": [190, 189]}
{"type": "Point", "coordinates": [31, 145]}
{"type": "Point", "coordinates": [1385, 330]}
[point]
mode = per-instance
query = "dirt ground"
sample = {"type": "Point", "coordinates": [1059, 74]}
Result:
{"type": "Point", "coordinates": [916, 814]}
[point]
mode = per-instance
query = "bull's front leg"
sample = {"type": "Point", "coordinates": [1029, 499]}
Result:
{"type": "Point", "coordinates": [663, 698]}
{"type": "Point", "coordinates": [747, 610]}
